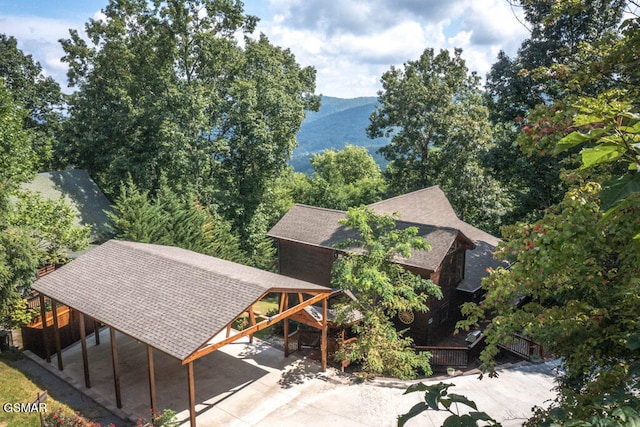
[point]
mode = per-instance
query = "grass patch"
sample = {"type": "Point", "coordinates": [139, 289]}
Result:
{"type": "Point", "coordinates": [261, 308]}
{"type": "Point", "coordinates": [16, 387]}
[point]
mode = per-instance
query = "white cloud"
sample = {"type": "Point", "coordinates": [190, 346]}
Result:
{"type": "Point", "coordinates": [39, 37]}
{"type": "Point", "coordinates": [351, 43]}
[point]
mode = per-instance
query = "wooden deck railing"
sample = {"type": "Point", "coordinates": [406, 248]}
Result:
{"type": "Point", "coordinates": [310, 338]}
{"type": "Point", "coordinates": [524, 347]}
{"type": "Point", "coordinates": [454, 357]}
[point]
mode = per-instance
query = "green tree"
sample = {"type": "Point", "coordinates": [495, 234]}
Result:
{"type": "Point", "coordinates": [382, 288]}
{"type": "Point", "coordinates": [172, 220]}
{"type": "Point", "coordinates": [38, 94]}
{"type": "Point", "coordinates": [50, 223]}
{"type": "Point", "coordinates": [577, 267]}
{"type": "Point", "coordinates": [531, 90]}
{"type": "Point", "coordinates": [579, 276]}
{"type": "Point", "coordinates": [17, 159]}
{"type": "Point", "coordinates": [434, 111]}
{"type": "Point", "coordinates": [168, 90]}
{"type": "Point", "coordinates": [341, 179]}
{"type": "Point", "coordinates": [33, 232]}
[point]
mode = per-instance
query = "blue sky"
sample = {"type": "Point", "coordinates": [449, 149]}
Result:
{"type": "Point", "coordinates": [350, 42]}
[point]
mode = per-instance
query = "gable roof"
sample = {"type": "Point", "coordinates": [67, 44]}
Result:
{"type": "Point", "coordinates": [170, 298]}
{"type": "Point", "coordinates": [431, 206]}
{"type": "Point", "coordinates": [81, 193]}
{"type": "Point", "coordinates": [320, 227]}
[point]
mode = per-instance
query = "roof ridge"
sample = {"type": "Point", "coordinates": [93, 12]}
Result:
{"type": "Point", "coordinates": [408, 194]}
{"type": "Point", "coordinates": [318, 208]}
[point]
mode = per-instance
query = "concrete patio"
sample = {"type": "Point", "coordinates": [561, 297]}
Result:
{"type": "Point", "coordinates": [246, 384]}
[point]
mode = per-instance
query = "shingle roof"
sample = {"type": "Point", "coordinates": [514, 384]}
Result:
{"type": "Point", "coordinates": [431, 206]}
{"type": "Point", "coordinates": [81, 193]}
{"type": "Point", "coordinates": [320, 227]}
{"type": "Point", "coordinates": [170, 298]}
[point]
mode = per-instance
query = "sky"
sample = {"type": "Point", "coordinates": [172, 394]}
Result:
{"type": "Point", "coordinates": [351, 43]}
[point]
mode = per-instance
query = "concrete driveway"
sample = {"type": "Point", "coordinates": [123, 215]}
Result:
{"type": "Point", "coordinates": [246, 384]}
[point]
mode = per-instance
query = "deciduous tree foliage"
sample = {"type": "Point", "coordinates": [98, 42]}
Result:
{"type": "Point", "coordinates": [550, 66]}
{"type": "Point", "coordinates": [383, 288]}
{"type": "Point", "coordinates": [173, 89]}
{"type": "Point", "coordinates": [579, 276]}
{"type": "Point", "coordinates": [39, 95]}
{"type": "Point", "coordinates": [342, 179]}
{"type": "Point", "coordinates": [33, 232]}
{"type": "Point", "coordinates": [17, 159]}
{"type": "Point", "coordinates": [576, 269]}
{"type": "Point", "coordinates": [434, 111]}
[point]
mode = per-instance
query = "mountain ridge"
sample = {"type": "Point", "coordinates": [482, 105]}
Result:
{"type": "Point", "coordinates": [339, 121]}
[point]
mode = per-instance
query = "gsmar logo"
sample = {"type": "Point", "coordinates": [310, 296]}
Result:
{"type": "Point", "coordinates": [25, 407]}
{"type": "Point", "coordinates": [37, 405]}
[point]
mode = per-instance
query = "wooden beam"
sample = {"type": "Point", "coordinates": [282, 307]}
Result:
{"type": "Point", "coordinates": [323, 339]}
{"type": "Point", "coordinates": [252, 322]}
{"type": "Point", "coordinates": [96, 331]}
{"type": "Point", "coordinates": [253, 329]}
{"type": "Point", "coordinates": [283, 302]}
{"type": "Point", "coordinates": [116, 366]}
{"type": "Point", "coordinates": [285, 325]}
{"type": "Point", "coordinates": [192, 395]}
{"type": "Point", "coordinates": [45, 338]}
{"type": "Point", "coordinates": [56, 332]}
{"type": "Point", "coordinates": [85, 359]}
{"type": "Point", "coordinates": [152, 382]}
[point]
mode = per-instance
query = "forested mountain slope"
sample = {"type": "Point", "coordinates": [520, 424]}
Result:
{"type": "Point", "coordinates": [339, 121]}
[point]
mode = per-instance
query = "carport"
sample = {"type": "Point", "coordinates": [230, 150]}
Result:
{"type": "Point", "coordinates": [172, 300]}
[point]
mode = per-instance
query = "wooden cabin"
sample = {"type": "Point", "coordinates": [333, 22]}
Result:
{"type": "Point", "coordinates": [457, 261]}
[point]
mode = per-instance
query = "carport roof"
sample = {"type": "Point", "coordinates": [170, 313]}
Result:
{"type": "Point", "coordinates": [170, 298]}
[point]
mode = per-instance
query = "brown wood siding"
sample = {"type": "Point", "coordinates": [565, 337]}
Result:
{"type": "Point", "coordinates": [305, 262]}
{"type": "Point", "coordinates": [313, 264]}
{"type": "Point", "coordinates": [446, 311]}
{"type": "Point", "coordinates": [68, 323]}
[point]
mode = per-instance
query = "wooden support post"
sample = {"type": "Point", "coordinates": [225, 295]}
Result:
{"type": "Point", "coordinates": [152, 381]}
{"type": "Point", "coordinates": [96, 331]}
{"type": "Point", "coordinates": [56, 332]}
{"type": "Point", "coordinates": [45, 338]}
{"type": "Point", "coordinates": [252, 322]}
{"type": "Point", "coordinates": [323, 341]}
{"type": "Point", "coordinates": [283, 304]}
{"type": "Point", "coordinates": [116, 366]}
{"type": "Point", "coordinates": [192, 395]}
{"type": "Point", "coordinates": [85, 359]}
{"type": "Point", "coordinates": [285, 325]}
{"type": "Point", "coordinates": [228, 330]}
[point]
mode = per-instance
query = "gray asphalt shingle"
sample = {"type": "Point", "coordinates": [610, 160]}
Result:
{"type": "Point", "coordinates": [320, 227]}
{"type": "Point", "coordinates": [170, 298]}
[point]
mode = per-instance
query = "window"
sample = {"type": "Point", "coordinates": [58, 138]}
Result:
{"type": "Point", "coordinates": [444, 313]}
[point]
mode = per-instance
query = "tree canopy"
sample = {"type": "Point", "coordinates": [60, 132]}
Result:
{"type": "Point", "coordinates": [39, 95]}
{"type": "Point", "coordinates": [434, 111]}
{"type": "Point", "coordinates": [33, 231]}
{"type": "Point", "coordinates": [341, 179]}
{"type": "Point", "coordinates": [173, 220]}
{"type": "Point", "coordinates": [181, 90]}
{"type": "Point", "coordinates": [383, 288]}
{"type": "Point", "coordinates": [575, 270]}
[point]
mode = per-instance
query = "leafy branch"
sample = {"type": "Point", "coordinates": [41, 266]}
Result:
{"type": "Point", "coordinates": [437, 395]}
